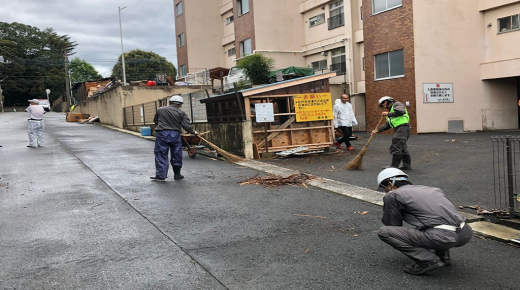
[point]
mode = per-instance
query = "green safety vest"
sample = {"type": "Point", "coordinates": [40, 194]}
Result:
{"type": "Point", "coordinates": [398, 121]}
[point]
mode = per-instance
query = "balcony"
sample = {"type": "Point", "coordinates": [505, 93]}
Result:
{"type": "Point", "coordinates": [336, 21]}
{"type": "Point", "coordinates": [339, 68]}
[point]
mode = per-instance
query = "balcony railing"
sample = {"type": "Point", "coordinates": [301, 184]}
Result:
{"type": "Point", "coordinates": [336, 21]}
{"type": "Point", "coordinates": [339, 68]}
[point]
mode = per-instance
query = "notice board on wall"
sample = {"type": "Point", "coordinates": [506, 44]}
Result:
{"type": "Point", "coordinates": [313, 107]}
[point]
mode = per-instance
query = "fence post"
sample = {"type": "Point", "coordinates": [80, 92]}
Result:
{"type": "Point", "coordinates": [510, 178]}
{"type": "Point", "coordinates": [144, 117]}
{"type": "Point", "coordinates": [133, 116]}
{"type": "Point", "coordinates": [124, 117]}
{"type": "Point", "coordinates": [191, 107]}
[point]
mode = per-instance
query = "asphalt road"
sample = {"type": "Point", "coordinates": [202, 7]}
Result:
{"type": "Point", "coordinates": [81, 213]}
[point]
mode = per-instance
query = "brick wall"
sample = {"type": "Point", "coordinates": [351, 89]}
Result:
{"type": "Point", "coordinates": [384, 32]}
{"type": "Point", "coordinates": [244, 27]}
{"type": "Point", "coordinates": [180, 27]}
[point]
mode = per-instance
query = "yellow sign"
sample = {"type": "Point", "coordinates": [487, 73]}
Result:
{"type": "Point", "coordinates": [313, 107]}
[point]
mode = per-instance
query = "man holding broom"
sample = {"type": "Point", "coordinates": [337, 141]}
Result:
{"type": "Point", "coordinates": [397, 117]}
{"type": "Point", "coordinates": [168, 121]}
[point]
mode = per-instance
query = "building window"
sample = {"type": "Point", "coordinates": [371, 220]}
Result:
{"type": "Point", "coordinates": [379, 6]}
{"type": "Point", "coordinates": [319, 65]}
{"type": "Point", "coordinates": [509, 23]}
{"type": "Point", "coordinates": [242, 7]}
{"type": "Point", "coordinates": [182, 70]}
{"type": "Point", "coordinates": [361, 12]}
{"type": "Point", "coordinates": [363, 63]}
{"type": "Point", "coordinates": [230, 19]}
{"type": "Point", "coordinates": [181, 39]}
{"type": "Point", "coordinates": [317, 20]}
{"type": "Point", "coordinates": [338, 60]}
{"type": "Point", "coordinates": [337, 17]}
{"type": "Point", "coordinates": [231, 52]}
{"type": "Point", "coordinates": [178, 8]}
{"type": "Point", "coordinates": [245, 47]}
{"type": "Point", "coordinates": [389, 64]}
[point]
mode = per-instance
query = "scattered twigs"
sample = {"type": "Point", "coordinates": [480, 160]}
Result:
{"type": "Point", "coordinates": [277, 180]}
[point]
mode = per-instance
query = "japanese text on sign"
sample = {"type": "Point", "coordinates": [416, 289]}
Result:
{"type": "Point", "coordinates": [313, 107]}
{"type": "Point", "coordinates": [438, 93]}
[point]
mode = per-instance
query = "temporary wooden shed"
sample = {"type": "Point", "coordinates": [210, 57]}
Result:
{"type": "Point", "coordinates": [302, 116]}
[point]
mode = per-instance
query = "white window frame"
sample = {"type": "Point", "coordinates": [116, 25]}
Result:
{"type": "Point", "coordinates": [242, 48]}
{"type": "Point", "coordinates": [389, 66]}
{"type": "Point", "coordinates": [386, 4]}
{"type": "Point", "coordinates": [177, 13]}
{"type": "Point", "coordinates": [241, 8]}
{"type": "Point", "coordinates": [182, 70]}
{"type": "Point", "coordinates": [321, 65]}
{"type": "Point", "coordinates": [339, 5]}
{"type": "Point", "coordinates": [230, 19]}
{"type": "Point", "coordinates": [232, 51]}
{"type": "Point", "coordinates": [517, 16]}
{"type": "Point", "coordinates": [317, 20]}
{"type": "Point", "coordinates": [182, 39]}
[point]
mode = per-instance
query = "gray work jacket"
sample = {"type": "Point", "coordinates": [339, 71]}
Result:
{"type": "Point", "coordinates": [421, 206]}
{"type": "Point", "coordinates": [172, 118]}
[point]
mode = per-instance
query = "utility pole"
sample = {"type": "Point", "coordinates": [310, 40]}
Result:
{"type": "Point", "coordinates": [67, 78]}
{"type": "Point", "coordinates": [122, 51]}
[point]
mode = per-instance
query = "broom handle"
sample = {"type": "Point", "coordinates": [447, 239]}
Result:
{"type": "Point", "coordinates": [372, 136]}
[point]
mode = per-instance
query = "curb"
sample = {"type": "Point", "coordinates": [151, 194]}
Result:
{"type": "Point", "coordinates": [478, 224]}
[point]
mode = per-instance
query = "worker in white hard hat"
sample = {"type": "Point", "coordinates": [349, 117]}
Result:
{"type": "Point", "coordinates": [397, 118]}
{"type": "Point", "coordinates": [437, 225]}
{"type": "Point", "coordinates": [168, 123]}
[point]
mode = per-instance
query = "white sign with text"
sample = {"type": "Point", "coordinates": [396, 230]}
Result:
{"type": "Point", "coordinates": [264, 112]}
{"type": "Point", "coordinates": [438, 93]}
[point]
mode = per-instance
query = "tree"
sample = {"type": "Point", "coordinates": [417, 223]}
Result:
{"type": "Point", "coordinates": [82, 71]}
{"type": "Point", "coordinates": [143, 65]}
{"type": "Point", "coordinates": [257, 68]}
{"type": "Point", "coordinates": [36, 62]}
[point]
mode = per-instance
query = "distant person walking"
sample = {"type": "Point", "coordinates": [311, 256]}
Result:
{"type": "Point", "coordinates": [36, 125]}
{"type": "Point", "coordinates": [344, 119]}
{"type": "Point", "coordinates": [169, 121]}
{"type": "Point", "coordinates": [397, 118]}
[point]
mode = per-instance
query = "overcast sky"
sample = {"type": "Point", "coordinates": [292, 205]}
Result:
{"type": "Point", "coordinates": [94, 25]}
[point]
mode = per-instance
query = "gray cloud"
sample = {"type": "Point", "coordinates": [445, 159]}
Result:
{"type": "Point", "coordinates": [94, 25]}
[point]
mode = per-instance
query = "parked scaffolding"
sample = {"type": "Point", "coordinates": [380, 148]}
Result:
{"type": "Point", "coordinates": [506, 156]}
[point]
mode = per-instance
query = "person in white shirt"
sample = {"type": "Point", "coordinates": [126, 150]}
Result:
{"type": "Point", "coordinates": [36, 125]}
{"type": "Point", "coordinates": [344, 119]}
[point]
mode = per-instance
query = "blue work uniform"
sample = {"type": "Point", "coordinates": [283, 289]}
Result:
{"type": "Point", "coordinates": [169, 121]}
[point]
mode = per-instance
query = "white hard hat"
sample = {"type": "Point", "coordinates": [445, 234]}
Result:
{"type": "Point", "coordinates": [176, 99]}
{"type": "Point", "coordinates": [385, 98]}
{"type": "Point", "coordinates": [394, 173]}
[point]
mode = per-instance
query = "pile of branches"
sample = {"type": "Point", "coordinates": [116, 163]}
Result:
{"type": "Point", "coordinates": [277, 180]}
{"type": "Point", "coordinates": [482, 211]}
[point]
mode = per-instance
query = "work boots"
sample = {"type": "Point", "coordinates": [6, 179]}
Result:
{"type": "Point", "coordinates": [177, 173]}
{"type": "Point", "coordinates": [407, 162]}
{"type": "Point", "coordinates": [396, 159]}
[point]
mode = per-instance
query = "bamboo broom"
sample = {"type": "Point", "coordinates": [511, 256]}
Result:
{"type": "Point", "coordinates": [358, 161]}
{"type": "Point", "coordinates": [228, 156]}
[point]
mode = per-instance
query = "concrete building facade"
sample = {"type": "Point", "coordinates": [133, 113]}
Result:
{"type": "Point", "coordinates": [454, 63]}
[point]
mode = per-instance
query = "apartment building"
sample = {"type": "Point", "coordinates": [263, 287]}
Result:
{"type": "Point", "coordinates": [455, 64]}
{"type": "Point", "coordinates": [325, 35]}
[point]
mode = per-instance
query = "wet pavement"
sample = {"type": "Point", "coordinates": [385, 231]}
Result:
{"type": "Point", "coordinates": [81, 213]}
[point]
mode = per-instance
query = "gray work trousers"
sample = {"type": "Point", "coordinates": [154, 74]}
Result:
{"type": "Point", "coordinates": [417, 244]}
{"type": "Point", "coordinates": [401, 135]}
{"type": "Point", "coordinates": [35, 131]}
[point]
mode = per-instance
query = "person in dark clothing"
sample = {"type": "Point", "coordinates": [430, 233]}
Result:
{"type": "Point", "coordinates": [169, 121]}
{"type": "Point", "coordinates": [438, 226]}
{"type": "Point", "coordinates": [397, 117]}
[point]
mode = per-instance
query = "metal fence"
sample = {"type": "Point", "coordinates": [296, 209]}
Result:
{"type": "Point", "coordinates": [143, 114]}
{"type": "Point", "coordinates": [506, 156]}
{"type": "Point", "coordinates": [198, 78]}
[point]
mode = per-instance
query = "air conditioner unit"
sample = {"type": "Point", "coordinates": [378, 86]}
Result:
{"type": "Point", "coordinates": [324, 53]}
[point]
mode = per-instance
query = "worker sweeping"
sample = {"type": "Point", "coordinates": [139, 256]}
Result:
{"type": "Point", "coordinates": [397, 117]}
{"type": "Point", "coordinates": [437, 224]}
{"type": "Point", "coordinates": [168, 121]}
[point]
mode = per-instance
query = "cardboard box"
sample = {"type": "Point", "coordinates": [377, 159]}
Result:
{"type": "Point", "coordinates": [76, 117]}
